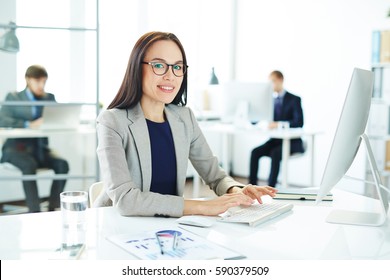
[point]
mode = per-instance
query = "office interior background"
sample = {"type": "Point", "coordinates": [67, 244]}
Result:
{"type": "Point", "coordinates": [316, 44]}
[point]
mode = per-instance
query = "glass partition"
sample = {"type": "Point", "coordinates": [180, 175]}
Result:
{"type": "Point", "coordinates": [62, 37]}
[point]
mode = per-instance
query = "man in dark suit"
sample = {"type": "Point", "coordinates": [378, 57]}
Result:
{"type": "Point", "coordinates": [29, 154]}
{"type": "Point", "coordinates": [287, 108]}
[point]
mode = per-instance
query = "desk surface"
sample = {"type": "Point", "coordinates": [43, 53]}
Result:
{"type": "Point", "coordinates": [27, 132]}
{"type": "Point", "coordinates": [290, 133]}
{"type": "Point", "coordinates": [301, 234]}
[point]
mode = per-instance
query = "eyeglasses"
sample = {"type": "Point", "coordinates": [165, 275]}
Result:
{"type": "Point", "coordinates": [161, 68]}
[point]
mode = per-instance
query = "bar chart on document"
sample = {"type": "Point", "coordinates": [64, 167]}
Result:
{"type": "Point", "coordinates": [171, 244]}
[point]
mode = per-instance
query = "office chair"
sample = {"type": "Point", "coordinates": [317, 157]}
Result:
{"type": "Point", "coordinates": [94, 190]}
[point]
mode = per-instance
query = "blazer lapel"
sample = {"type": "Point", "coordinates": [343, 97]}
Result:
{"type": "Point", "coordinates": [23, 95]}
{"type": "Point", "coordinates": [179, 139]}
{"type": "Point", "coordinates": [139, 130]}
{"type": "Point", "coordinates": [27, 111]}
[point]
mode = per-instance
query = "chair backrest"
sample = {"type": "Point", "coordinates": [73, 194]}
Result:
{"type": "Point", "coordinates": [94, 190]}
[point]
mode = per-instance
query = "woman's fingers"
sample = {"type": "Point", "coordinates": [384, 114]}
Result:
{"type": "Point", "coordinates": [246, 197]}
{"type": "Point", "coordinates": [256, 193]}
{"type": "Point", "coordinates": [242, 200]}
{"type": "Point", "coordinates": [223, 203]}
{"type": "Point", "coordinates": [227, 201]}
{"type": "Point", "coordinates": [272, 190]}
{"type": "Point", "coordinates": [230, 205]}
{"type": "Point", "coordinates": [241, 197]}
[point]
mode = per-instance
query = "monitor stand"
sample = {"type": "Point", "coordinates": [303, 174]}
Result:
{"type": "Point", "coordinates": [365, 218]}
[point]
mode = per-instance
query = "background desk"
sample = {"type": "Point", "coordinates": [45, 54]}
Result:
{"type": "Point", "coordinates": [32, 133]}
{"type": "Point", "coordinates": [286, 135]}
{"type": "Point", "coordinates": [300, 234]}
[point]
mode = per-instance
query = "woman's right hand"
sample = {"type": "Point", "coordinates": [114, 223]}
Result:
{"type": "Point", "coordinates": [216, 206]}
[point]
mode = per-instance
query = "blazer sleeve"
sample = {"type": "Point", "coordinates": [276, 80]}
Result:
{"type": "Point", "coordinates": [125, 195]}
{"type": "Point", "coordinates": [7, 118]}
{"type": "Point", "coordinates": [297, 120]}
{"type": "Point", "coordinates": [206, 164]}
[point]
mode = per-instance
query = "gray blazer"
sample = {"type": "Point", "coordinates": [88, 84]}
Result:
{"type": "Point", "coordinates": [125, 161]}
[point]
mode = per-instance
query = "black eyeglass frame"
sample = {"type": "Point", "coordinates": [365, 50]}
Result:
{"type": "Point", "coordinates": [152, 63]}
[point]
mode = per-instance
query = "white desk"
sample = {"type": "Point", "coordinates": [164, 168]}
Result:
{"type": "Point", "coordinates": [34, 133]}
{"type": "Point", "coordinates": [286, 135]}
{"type": "Point", "coordinates": [301, 234]}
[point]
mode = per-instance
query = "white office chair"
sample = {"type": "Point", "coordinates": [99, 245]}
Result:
{"type": "Point", "coordinates": [9, 196]}
{"type": "Point", "coordinates": [94, 190]}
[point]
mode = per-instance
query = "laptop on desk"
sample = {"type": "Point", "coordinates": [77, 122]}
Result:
{"type": "Point", "coordinates": [61, 117]}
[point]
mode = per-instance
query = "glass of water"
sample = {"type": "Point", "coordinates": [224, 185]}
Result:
{"type": "Point", "coordinates": [73, 207]}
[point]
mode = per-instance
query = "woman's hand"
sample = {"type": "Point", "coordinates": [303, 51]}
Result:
{"type": "Point", "coordinates": [216, 206]}
{"type": "Point", "coordinates": [255, 192]}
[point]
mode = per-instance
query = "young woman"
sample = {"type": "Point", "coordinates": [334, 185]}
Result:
{"type": "Point", "coordinates": [147, 135]}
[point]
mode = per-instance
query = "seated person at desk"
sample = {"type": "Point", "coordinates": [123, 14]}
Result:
{"type": "Point", "coordinates": [287, 108]}
{"type": "Point", "coordinates": [29, 154]}
{"type": "Point", "coordinates": [147, 135]}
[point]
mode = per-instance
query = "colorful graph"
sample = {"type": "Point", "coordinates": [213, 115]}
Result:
{"type": "Point", "coordinates": [189, 245]}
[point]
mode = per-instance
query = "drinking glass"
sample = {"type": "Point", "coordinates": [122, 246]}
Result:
{"type": "Point", "coordinates": [73, 207]}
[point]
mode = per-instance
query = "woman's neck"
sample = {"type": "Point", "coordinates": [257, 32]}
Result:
{"type": "Point", "coordinates": [153, 111]}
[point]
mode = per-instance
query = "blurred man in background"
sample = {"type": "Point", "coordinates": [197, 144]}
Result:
{"type": "Point", "coordinates": [287, 108]}
{"type": "Point", "coordinates": [29, 154]}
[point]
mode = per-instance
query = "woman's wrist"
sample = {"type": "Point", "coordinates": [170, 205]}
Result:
{"type": "Point", "coordinates": [234, 189]}
{"type": "Point", "coordinates": [192, 207]}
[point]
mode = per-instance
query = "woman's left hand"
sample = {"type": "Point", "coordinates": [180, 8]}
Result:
{"type": "Point", "coordinates": [255, 192]}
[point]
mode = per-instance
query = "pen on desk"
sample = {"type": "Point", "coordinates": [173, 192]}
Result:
{"type": "Point", "coordinates": [175, 240]}
{"type": "Point", "coordinates": [159, 244]}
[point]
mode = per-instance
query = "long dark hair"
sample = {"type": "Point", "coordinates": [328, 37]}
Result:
{"type": "Point", "coordinates": [130, 92]}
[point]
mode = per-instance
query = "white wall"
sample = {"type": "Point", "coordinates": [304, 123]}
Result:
{"type": "Point", "coordinates": [68, 56]}
{"type": "Point", "coordinates": [7, 60]}
{"type": "Point", "coordinates": [316, 44]}
{"type": "Point", "coordinates": [203, 26]}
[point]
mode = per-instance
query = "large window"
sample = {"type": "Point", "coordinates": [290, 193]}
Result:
{"type": "Point", "coordinates": [68, 55]}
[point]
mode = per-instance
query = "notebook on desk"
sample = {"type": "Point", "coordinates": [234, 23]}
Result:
{"type": "Point", "coordinates": [300, 194]}
{"type": "Point", "coordinates": [61, 117]}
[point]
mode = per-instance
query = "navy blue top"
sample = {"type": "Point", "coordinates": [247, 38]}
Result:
{"type": "Point", "coordinates": [163, 158]}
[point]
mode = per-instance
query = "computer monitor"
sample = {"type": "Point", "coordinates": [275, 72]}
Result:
{"type": "Point", "coordinates": [245, 100]}
{"type": "Point", "coordinates": [61, 116]}
{"type": "Point", "coordinates": [346, 142]}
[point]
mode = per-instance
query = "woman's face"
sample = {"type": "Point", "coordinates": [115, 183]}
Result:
{"type": "Point", "coordinates": [164, 88]}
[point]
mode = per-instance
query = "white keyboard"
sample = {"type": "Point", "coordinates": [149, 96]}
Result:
{"type": "Point", "coordinates": [256, 213]}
